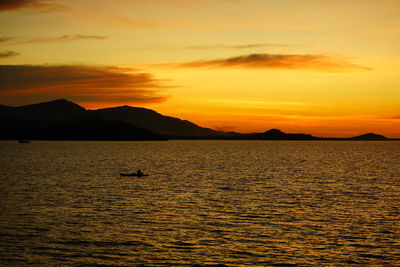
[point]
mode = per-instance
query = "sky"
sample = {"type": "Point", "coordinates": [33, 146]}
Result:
{"type": "Point", "coordinates": [327, 68]}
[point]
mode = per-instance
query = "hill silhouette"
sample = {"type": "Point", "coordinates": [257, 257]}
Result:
{"type": "Point", "coordinates": [86, 130]}
{"type": "Point", "coordinates": [64, 120]}
{"type": "Point", "coordinates": [52, 110]}
{"type": "Point", "coordinates": [151, 120]}
{"type": "Point", "coordinates": [370, 136]}
{"type": "Point", "coordinates": [275, 134]}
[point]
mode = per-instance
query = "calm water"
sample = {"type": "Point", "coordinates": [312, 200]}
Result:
{"type": "Point", "coordinates": [234, 203]}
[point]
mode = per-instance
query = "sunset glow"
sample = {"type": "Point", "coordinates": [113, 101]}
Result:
{"type": "Point", "coordinates": [328, 68]}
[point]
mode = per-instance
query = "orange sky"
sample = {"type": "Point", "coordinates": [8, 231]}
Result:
{"type": "Point", "coordinates": [329, 68]}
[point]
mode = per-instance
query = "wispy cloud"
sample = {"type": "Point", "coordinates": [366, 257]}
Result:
{"type": "Point", "coordinates": [80, 83]}
{"type": "Point", "coordinates": [215, 47]}
{"type": "Point", "coordinates": [14, 4]}
{"type": "Point", "coordinates": [36, 5]}
{"type": "Point", "coordinates": [6, 39]}
{"type": "Point", "coordinates": [182, 3]}
{"type": "Point", "coordinates": [126, 21]}
{"type": "Point", "coordinates": [95, 37]}
{"type": "Point", "coordinates": [62, 38]}
{"type": "Point", "coordinates": [224, 127]}
{"type": "Point", "coordinates": [7, 54]}
{"type": "Point", "coordinates": [392, 118]}
{"type": "Point", "coordinates": [319, 62]}
{"type": "Point", "coordinates": [225, 46]}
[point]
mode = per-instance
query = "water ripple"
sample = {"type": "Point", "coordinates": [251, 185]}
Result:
{"type": "Point", "coordinates": [206, 203]}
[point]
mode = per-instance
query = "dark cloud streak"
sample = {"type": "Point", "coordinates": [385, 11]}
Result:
{"type": "Point", "coordinates": [62, 38]}
{"type": "Point", "coordinates": [394, 118]}
{"type": "Point", "coordinates": [7, 54]}
{"type": "Point", "coordinates": [14, 4]}
{"type": "Point", "coordinates": [37, 5]}
{"type": "Point", "coordinates": [6, 39]}
{"type": "Point", "coordinates": [80, 83]}
{"type": "Point", "coordinates": [318, 62]}
{"type": "Point", "coordinates": [223, 46]}
{"type": "Point", "coordinates": [95, 37]}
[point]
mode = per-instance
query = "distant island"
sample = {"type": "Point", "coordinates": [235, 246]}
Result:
{"type": "Point", "coordinates": [64, 120]}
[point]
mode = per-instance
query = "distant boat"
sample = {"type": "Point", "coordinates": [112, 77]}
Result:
{"type": "Point", "coordinates": [21, 141]}
{"type": "Point", "coordinates": [133, 174]}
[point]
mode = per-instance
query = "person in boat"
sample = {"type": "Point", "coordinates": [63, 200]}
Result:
{"type": "Point", "coordinates": [139, 173]}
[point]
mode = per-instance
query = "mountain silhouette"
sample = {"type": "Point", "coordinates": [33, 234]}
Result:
{"type": "Point", "coordinates": [370, 136]}
{"type": "Point", "coordinates": [82, 129]}
{"type": "Point", "coordinates": [52, 110]}
{"type": "Point", "coordinates": [275, 134]}
{"type": "Point", "coordinates": [64, 120]}
{"type": "Point", "coordinates": [150, 120]}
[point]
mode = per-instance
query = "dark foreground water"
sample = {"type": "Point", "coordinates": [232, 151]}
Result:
{"type": "Point", "coordinates": [234, 203]}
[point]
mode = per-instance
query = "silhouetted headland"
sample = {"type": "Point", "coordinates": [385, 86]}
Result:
{"type": "Point", "coordinates": [65, 120]}
{"type": "Point", "coordinates": [155, 122]}
{"type": "Point", "coordinates": [370, 136]}
{"type": "Point", "coordinates": [275, 134]}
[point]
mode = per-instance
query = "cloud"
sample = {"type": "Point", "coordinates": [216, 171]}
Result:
{"type": "Point", "coordinates": [37, 5]}
{"type": "Point", "coordinates": [62, 38]}
{"type": "Point", "coordinates": [319, 62]}
{"type": "Point", "coordinates": [222, 46]}
{"type": "Point", "coordinates": [181, 3]}
{"type": "Point", "coordinates": [216, 47]}
{"type": "Point", "coordinates": [103, 84]}
{"type": "Point", "coordinates": [123, 20]}
{"type": "Point", "coordinates": [95, 37]}
{"type": "Point", "coordinates": [7, 54]}
{"type": "Point", "coordinates": [14, 4]}
{"type": "Point", "coordinates": [6, 39]}
{"type": "Point", "coordinates": [224, 128]}
{"type": "Point", "coordinates": [392, 118]}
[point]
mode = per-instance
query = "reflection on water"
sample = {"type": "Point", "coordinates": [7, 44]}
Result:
{"type": "Point", "coordinates": [206, 202]}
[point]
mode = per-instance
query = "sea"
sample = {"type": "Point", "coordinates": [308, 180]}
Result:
{"type": "Point", "coordinates": [204, 203]}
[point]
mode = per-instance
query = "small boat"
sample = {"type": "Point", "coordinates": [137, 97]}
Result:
{"type": "Point", "coordinates": [21, 141]}
{"type": "Point", "coordinates": [133, 174]}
